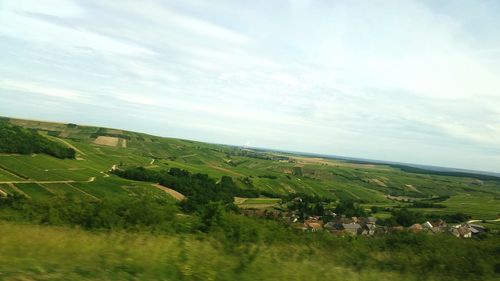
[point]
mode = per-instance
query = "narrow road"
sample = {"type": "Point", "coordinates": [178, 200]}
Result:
{"type": "Point", "coordinates": [211, 165]}
{"type": "Point", "coordinates": [472, 221]}
{"type": "Point", "coordinates": [18, 190]}
{"type": "Point", "coordinates": [71, 146]}
{"type": "Point", "coordinates": [178, 196]}
{"type": "Point", "coordinates": [42, 182]}
{"type": "Point", "coordinates": [188, 155]}
{"type": "Point", "coordinates": [84, 192]}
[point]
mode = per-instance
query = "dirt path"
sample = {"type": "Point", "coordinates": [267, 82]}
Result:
{"type": "Point", "coordinates": [71, 146]}
{"type": "Point", "coordinates": [14, 173]}
{"type": "Point", "coordinates": [188, 155]}
{"type": "Point", "coordinates": [18, 190]}
{"type": "Point", "coordinates": [152, 161]}
{"type": "Point", "coordinates": [42, 182]}
{"type": "Point", "coordinates": [3, 193]}
{"type": "Point", "coordinates": [472, 221]}
{"type": "Point", "coordinates": [225, 170]}
{"type": "Point", "coordinates": [256, 206]}
{"type": "Point", "coordinates": [178, 196]}
{"type": "Point", "coordinates": [239, 200]}
{"type": "Point", "coordinates": [83, 191]}
{"type": "Point", "coordinates": [46, 188]}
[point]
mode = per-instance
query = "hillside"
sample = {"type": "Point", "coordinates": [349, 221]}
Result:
{"type": "Point", "coordinates": [131, 206]}
{"type": "Point", "coordinates": [71, 254]}
{"type": "Point", "coordinates": [15, 139]}
{"type": "Point", "coordinates": [99, 150]}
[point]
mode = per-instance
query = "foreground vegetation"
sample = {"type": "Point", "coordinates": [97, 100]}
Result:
{"type": "Point", "coordinates": [145, 239]}
{"type": "Point", "coordinates": [83, 203]}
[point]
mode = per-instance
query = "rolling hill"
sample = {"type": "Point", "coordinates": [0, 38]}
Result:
{"type": "Point", "coordinates": [100, 150]}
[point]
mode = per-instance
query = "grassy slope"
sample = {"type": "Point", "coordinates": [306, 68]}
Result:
{"type": "Point", "coordinates": [67, 254]}
{"type": "Point", "coordinates": [60, 253]}
{"type": "Point", "coordinates": [325, 177]}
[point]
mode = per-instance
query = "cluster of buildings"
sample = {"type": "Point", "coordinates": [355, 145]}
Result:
{"type": "Point", "coordinates": [342, 226]}
{"type": "Point", "coordinates": [464, 230]}
{"type": "Point", "coordinates": [367, 226]}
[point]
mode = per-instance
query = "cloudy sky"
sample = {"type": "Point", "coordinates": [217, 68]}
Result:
{"type": "Point", "coordinates": [410, 81]}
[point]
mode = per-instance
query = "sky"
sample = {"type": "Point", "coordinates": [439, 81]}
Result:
{"type": "Point", "coordinates": [407, 81]}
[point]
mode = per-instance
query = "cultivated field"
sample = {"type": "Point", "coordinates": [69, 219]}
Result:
{"type": "Point", "coordinates": [100, 149]}
{"type": "Point", "coordinates": [110, 141]}
{"type": "Point", "coordinates": [256, 203]}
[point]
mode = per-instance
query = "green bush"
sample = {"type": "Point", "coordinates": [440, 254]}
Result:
{"type": "Point", "coordinates": [15, 139]}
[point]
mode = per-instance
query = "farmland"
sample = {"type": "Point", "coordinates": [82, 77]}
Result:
{"type": "Point", "coordinates": [278, 173]}
{"type": "Point", "coordinates": [132, 206]}
{"type": "Point", "coordinates": [256, 203]}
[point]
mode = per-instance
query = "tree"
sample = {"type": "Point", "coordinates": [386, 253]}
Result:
{"type": "Point", "coordinates": [350, 209]}
{"type": "Point", "coordinates": [212, 215]}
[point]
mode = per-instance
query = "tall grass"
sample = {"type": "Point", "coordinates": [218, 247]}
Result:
{"type": "Point", "coordinates": [29, 252]}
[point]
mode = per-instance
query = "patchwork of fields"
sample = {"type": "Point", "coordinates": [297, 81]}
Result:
{"type": "Point", "coordinates": [100, 149]}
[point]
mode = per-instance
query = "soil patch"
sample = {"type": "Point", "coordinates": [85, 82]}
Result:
{"type": "Point", "coordinates": [178, 196]}
{"type": "Point", "coordinates": [109, 141]}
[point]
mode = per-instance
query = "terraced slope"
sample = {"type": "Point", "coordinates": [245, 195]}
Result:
{"type": "Point", "coordinates": [98, 150]}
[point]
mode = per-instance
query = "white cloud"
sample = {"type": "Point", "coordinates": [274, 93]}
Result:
{"type": "Point", "coordinates": [30, 87]}
{"type": "Point", "coordinates": [37, 31]}
{"type": "Point", "coordinates": [136, 99]}
{"type": "Point", "coordinates": [58, 8]}
{"type": "Point", "coordinates": [370, 79]}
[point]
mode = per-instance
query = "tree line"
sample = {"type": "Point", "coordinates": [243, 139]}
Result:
{"type": "Point", "coordinates": [200, 189]}
{"type": "Point", "coordinates": [428, 257]}
{"type": "Point", "coordinates": [16, 139]}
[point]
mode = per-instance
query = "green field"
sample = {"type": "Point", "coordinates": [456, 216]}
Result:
{"type": "Point", "coordinates": [261, 201]}
{"type": "Point", "coordinates": [77, 220]}
{"type": "Point", "coordinates": [479, 206]}
{"type": "Point", "coordinates": [39, 175]}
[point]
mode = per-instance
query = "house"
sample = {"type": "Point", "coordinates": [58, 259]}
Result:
{"type": "Point", "coordinates": [333, 226]}
{"type": "Point", "coordinates": [380, 230]}
{"type": "Point", "coordinates": [461, 231]}
{"type": "Point", "coordinates": [436, 229]}
{"type": "Point", "coordinates": [352, 228]}
{"type": "Point", "coordinates": [427, 225]}
{"type": "Point", "coordinates": [415, 228]}
{"type": "Point", "coordinates": [439, 223]}
{"type": "Point", "coordinates": [368, 229]}
{"type": "Point", "coordinates": [314, 226]}
{"type": "Point", "coordinates": [476, 229]}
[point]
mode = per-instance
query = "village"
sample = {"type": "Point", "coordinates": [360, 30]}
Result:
{"type": "Point", "coordinates": [367, 226]}
{"type": "Point", "coordinates": [342, 225]}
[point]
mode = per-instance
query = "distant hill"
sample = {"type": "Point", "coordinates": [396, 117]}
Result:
{"type": "Point", "coordinates": [255, 172]}
{"type": "Point", "coordinates": [408, 167]}
{"type": "Point", "coordinates": [16, 139]}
